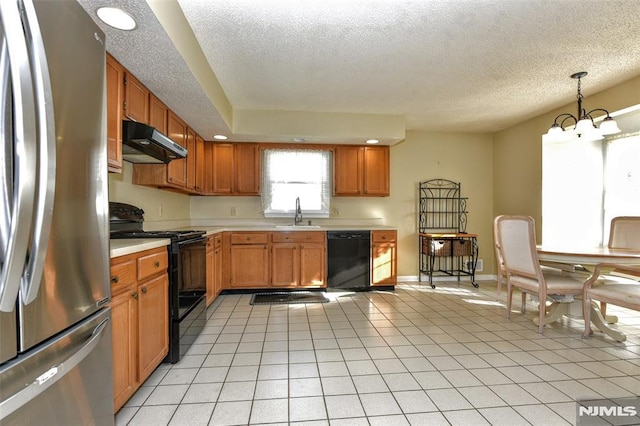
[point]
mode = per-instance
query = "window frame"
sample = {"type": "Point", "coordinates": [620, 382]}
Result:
{"type": "Point", "coordinates": [325, 183]}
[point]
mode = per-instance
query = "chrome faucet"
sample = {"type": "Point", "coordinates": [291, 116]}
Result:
{"type": "Point", "coordinates": [298, 218]}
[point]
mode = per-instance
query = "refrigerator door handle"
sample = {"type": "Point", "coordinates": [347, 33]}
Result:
{"type": "Point", "coordinates": [51, 376]}
{"type": "Point", "coordinates": [46, 184]}
{"type": "Point", "coordinates": [23, 139]}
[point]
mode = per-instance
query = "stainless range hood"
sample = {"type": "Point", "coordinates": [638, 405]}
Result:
{"type": "Point", "coordinates": [142, 143]}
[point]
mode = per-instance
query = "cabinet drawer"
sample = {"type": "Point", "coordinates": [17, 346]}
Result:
{"type": "Point", "coordinates": [383, 236]}
{"type": "Point", "coordinates": [249, 238]}
{"type": "Point", "coordinates": [210, 243]}
{"type": "Point", "coordinates": [217, 241]}
{"type": "Point", "coordinates": [123, 273]}
{"type": "Point", "coordinates": [152, 264]}
{"type": "Point", "coordinates": [298, 237]}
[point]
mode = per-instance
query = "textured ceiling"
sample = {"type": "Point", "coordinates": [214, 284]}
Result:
{"type": "Point", "coordinates": [446, 65]}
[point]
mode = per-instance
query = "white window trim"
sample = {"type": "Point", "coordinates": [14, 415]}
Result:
{"type": "Point", "coordinates": [323, 178]}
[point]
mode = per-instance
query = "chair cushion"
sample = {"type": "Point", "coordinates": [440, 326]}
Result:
{"type": "Point", "coordinates": [626, 295]}
{"type": "Point", "coordinates": [563, 284]}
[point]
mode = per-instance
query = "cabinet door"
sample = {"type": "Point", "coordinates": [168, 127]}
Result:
{"type": "Point", "coordinates": [200, 165]}
{"type": "Point", "coordinates": [347, 170]}
{"type": "Point", "coordinates": [124, 309]}
{"type": "Point", "coordinates": [247, 169]}
{"type": "Point", "coordinates": [312, 265]}
{"type": "Point", "coordinates": [383, 264]}
{"type": "Point", "coordinates": [222, 168]}
{"type": "Point", "coordinates": [217, 260]}
{"type": "Point", "coordinates": [211, 272]}
{"type": "Point", "coordinates": [114, 77]}
{"type": "Point", "coordinates": [376, 171]}
{"type": "Point", "coordinates": [136, 99]}
{"type": "Point", "coordinates": [285, 265]}
{"type": "Point", "coordinates": [208, 168]}
{"type": "Point", "coordinates": [249, 265]}
{"type": "Point", "coordinates": [158, 114]}
{"type": "Point", "coordinates": [153, 324]}
{"type": "Point", "coordinates": [191, 159]}
{"type": "Point", "coordinates": [177, 169]}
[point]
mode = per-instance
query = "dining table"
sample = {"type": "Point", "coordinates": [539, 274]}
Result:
{"type": "Point", "coordinates": [581, 262]}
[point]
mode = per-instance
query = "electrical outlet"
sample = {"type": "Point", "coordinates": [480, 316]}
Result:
{"type": "Point", "coordinates": [479, 265]}
{"type": "Point", "coordinates": [336, 211]}
{"type": "Point", "coordinates": [160, 211]}
{"type": "Point", "coordinates": [233, 211]}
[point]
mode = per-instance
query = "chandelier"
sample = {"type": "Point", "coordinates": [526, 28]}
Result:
{"type": "Point", "coordinates": [582, 125]}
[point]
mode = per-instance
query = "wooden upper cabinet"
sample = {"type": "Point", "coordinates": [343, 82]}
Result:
{"type": "Point", "coordinates": [115, 99]}
{"type": "Point", "coordinates": [208, 165]}
{"type": "Point", "coordinates": [247, 169]}
{"type": "Point", "coordinates": [347, 170]}
{"type": "Point", "coordinates": [200, 165]}
{"type": "Point", "coordinates": [376, 171]}
{"type": "Point", "coordinates": [222, 182]}
{"type": "Point", "coordinates": [177, 131]}
{"type": "Point", "coordinates": [361, 171]}
{"type": "Point", "coordinates": [158, 114]}
{"type": "Point", "coordinates": [236, 169]}
{"type": "Point", "coordinates": [191, 159]}
{"type": "Point", "coordinates": [136, 99]}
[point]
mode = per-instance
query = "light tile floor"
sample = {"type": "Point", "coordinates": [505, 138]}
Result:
{"type": "Point", "coordinates": [419, 356]}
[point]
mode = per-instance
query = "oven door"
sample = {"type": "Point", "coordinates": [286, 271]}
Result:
{"type": "Point", "coordinates": [192, 274]}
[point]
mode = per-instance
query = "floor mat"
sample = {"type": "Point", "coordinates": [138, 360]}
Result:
{"type": "Point", "coordinates": [282, 297]}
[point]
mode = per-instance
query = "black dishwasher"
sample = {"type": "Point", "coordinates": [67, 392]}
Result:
{"type": "Point", "coordinates": [349, 257]}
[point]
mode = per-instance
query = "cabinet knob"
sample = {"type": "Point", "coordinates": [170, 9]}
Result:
{"type": "Point", "coordinates": [144, 290]}
{"type": "Point", "coordinates": [115, 279]}
{"type": "Point", "coordinates": [135, 295]}
{"type": "Point", "coordinates": [157, 264]}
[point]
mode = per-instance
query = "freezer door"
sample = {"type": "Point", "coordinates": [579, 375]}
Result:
{"type": "Point", "coordinates": [75, 274]}
{"type": "Point", "coordinates": [66, 381]}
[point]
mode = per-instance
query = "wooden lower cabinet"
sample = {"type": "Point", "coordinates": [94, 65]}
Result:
{"type": "Point", "coordinates": [249, 265]}
{"type": "Point", "coordinates": [153, 324]}
{"type": "Point", "coordinates": [383, 258]}
{"type": "Point", "coordinates": [214, 267]}
{"type": "Point", "coordinates": [298, 259]}
{"type": "Point", "coordinates": [140, 319]}
{"type": "Point", "coordinates": [276, 259]}
{"type": "Point", "coordinates": [124, 311]}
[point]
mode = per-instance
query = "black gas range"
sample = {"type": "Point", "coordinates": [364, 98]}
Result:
{"type": "Point", "coordinates": [187, 274]}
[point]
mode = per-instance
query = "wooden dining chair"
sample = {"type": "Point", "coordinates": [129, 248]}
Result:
{"type": "Point", "coordinates": [609, 283]}
{"type": "Point", "coordinates": [515, 236]}
{"type": "Point", "coordinates": [624, 233]}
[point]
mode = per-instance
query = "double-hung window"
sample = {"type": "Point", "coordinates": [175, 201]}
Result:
{"type": "Point", "coordinates": [587, 183]}
{"type": "Point", "coordinates": [288, 174]}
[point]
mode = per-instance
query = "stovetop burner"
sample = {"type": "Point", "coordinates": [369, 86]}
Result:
{"type": "Point", "coordinates": [126, 221]}
{"type": "Point", "coordinates": [179, 235]}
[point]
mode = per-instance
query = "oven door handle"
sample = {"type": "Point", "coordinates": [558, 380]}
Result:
{"type": "Point", "coordinates": [193, 241]}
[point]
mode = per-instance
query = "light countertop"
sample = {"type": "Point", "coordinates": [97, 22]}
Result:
{"type": "Point", "coordinates": [125, 246]}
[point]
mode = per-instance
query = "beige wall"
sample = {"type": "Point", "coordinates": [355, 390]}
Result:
{"type": "Point", "coordinates": [175, 207]}
{"type": "Point", "coordinates": [517, 153]}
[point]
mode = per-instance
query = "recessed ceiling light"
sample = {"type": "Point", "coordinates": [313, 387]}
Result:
{"type": "Point", "coordinates": [372, 141]}
{"type": "Point", "coordinates": [220, 137]}
{"type": "Point", "coordinates": [116, 18]}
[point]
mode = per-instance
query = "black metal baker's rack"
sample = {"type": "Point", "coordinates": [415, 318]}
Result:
{"type": "Point", "coordinates": [445, 247]}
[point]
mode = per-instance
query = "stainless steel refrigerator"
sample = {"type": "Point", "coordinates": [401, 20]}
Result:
{"type": "Point", "coordinates": [55, 323]}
